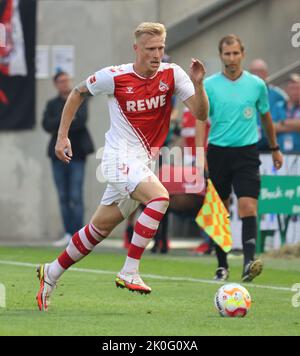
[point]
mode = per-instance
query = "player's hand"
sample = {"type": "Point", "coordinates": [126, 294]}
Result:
{"type": "Point", "coordinates": [63, 149]}
{"type": "Point", "coordinates": [197, 71]}
{"type": "Point", "coordinates": [277, 159]}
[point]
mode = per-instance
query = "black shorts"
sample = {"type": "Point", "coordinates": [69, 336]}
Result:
{"type": "Point", "coordinates": [236, 167]}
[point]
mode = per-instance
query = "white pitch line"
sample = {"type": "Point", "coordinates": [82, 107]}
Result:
{"type": "Point", "coordinates": [151, 276]}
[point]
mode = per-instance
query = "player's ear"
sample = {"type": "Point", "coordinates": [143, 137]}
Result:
{"type": "Point", "coordinates": [135, 47]}
{"type": "Point", "coordinates": [243, 54]}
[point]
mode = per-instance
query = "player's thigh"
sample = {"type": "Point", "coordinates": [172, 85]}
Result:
{"type": "Point", "coordinates": [107, 217]}
{"type": "Point", "coordinates": [148, 189]}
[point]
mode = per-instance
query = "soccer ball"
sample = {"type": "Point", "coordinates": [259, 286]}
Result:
{"type": "Point", "coordinates": [232, 300]}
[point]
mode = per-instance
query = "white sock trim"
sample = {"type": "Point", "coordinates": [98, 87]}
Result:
{"type": "Point", "coordinates": [131, 265]}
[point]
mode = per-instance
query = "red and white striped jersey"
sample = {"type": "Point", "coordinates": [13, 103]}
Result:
{"type": "Point", "coordinates": [139, 107]}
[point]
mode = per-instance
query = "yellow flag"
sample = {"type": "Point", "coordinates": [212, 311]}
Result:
{"type": "Point", "coordinates": [213, 218]}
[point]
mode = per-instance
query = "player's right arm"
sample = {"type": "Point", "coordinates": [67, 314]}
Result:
{"type": "Point", "coordinates": [101, 82]}
{"type": "Point", "coordinates": [63, 149]}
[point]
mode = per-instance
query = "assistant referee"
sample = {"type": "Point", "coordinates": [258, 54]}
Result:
{"type": "Point", "coordinates": [235, 95]}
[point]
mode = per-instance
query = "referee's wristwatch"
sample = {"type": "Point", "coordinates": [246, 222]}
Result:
{"type": "Point", "coordinates": [276, 148]}
{"type": "Point", "coordinates": [282, 123]}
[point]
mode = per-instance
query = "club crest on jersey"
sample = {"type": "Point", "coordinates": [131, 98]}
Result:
{"type": "Point", "coordinates": [163, 86]}
{"type": "Point", "coordinates": [248, 112]}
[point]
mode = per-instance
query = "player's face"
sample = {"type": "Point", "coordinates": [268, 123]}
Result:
{"type": "Point", "coordinates": [232, 57]}
{"type": "Point", "coordinates": [149, 52]}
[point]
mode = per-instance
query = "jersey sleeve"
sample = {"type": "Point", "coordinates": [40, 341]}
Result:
{"type": "Point", "coordinates": [263, 105]}
{"type": "Point", "coordinates": [184, 87]}
{"type": "Point", "coordinates": [101, 82]}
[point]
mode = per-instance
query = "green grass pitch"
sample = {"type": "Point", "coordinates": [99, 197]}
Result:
{"type": "Point", "coordinates": [87, 302]}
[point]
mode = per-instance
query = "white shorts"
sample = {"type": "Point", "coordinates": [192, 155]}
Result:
{"type": "Point", "coordinates": [123, 177]}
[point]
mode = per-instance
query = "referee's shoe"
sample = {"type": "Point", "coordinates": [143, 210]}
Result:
{"type": "Point", "coordinates": [222, 274]}
{"type": "Point", "coordinates": [252, 270]}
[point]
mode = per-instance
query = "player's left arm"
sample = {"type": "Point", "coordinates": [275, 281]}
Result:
{"type": "Point", "coordinates": [198, 103]}
{"type": "Point", "coordinates": [269, 128]}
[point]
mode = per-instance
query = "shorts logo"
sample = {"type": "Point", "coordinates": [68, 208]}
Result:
{"type": "Point", "coordinates": [93, 79]}
{"type": "Point", "coordinates": [163, 86]}
{"type": "Point", "coordinates": [248, 112]}
{"type": "Point", "coordinates": [124, 169]}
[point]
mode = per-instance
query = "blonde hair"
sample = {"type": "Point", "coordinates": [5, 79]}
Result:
{"type": "Point", "coordinates": [150, 28]}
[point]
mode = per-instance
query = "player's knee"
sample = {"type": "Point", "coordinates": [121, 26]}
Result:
{"type": "Point", "coordinates": [101, 228]}
{"type": "Point", "coordinates": [76, 199]}
{"type": "Point", "coordinates": [247, 210]}
{"type": "Point", "coordinates": [163, 200]}
{"type": "Point", "coordinates": [165, 194]}
{"type": "Point", "coordinates": [166, 201]}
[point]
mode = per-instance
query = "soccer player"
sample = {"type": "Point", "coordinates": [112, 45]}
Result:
{"type": "Point", "coordinates": [139, 100]}
{"type": "Point", "coordinates": [233, 160]}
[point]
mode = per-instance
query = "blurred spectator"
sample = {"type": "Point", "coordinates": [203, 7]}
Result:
{"type": "Point", "coordinates": [182, 204]}
{"type": "Point", "coordinates": [188, 134]}
{"type": "Point", "coordinates": [68, 178]}
{"type": "Point", "coordinates": [278, 103]}
{"type": "Point", "coordinates": [289, 128]}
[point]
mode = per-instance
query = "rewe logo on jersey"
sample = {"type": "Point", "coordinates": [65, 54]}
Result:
{"type": "Point", "coordinates": [146, 104]}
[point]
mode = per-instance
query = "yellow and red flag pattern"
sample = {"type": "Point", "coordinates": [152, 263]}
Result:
{"type": "Point", "coordinates": [213, 218]}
